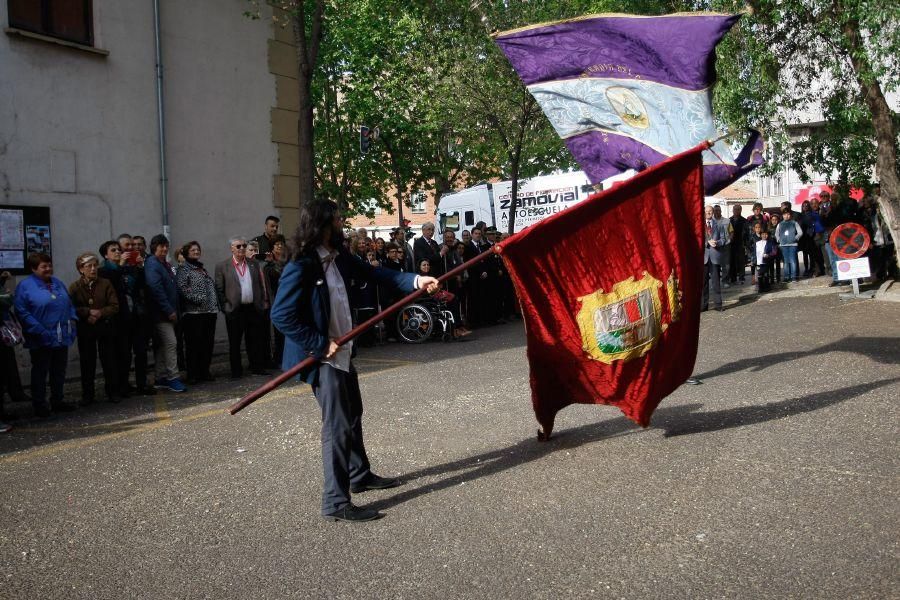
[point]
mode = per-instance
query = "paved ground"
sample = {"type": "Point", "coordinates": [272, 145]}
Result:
{"type": "Point", "coordinates": [776, 478]}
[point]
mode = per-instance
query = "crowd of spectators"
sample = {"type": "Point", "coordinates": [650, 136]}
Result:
{"type": "Point", "coordinates": [130, 298]}
{"type": "Point", "coordinates": [479, 296]}
{"type": "Point", "coordinates": [773, 242]}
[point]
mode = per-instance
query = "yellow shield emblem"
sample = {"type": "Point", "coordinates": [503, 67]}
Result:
{"type": "Point", "coordinates": [627, 322]}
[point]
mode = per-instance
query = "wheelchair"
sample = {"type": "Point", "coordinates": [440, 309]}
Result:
{"type": "Point", "coordinates": [424, 319]}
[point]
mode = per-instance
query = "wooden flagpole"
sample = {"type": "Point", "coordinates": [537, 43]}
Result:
{"type": "Point", "coordinates": [352, 334]}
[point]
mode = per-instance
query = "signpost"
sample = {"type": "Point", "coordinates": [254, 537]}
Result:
{"type": "Point", "coordinates": [850, 241]}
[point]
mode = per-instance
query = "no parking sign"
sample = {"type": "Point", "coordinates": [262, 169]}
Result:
{"type": "Point", "coordinates": [850, 240]}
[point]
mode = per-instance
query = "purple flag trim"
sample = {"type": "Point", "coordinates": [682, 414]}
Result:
{"type": "Point", "coordinates": [602, 155]}
{"type": "Point", "coordinates": [676, 50]}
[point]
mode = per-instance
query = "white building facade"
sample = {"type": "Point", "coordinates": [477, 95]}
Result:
{"type": "Point", "coordinates": [80, 127]}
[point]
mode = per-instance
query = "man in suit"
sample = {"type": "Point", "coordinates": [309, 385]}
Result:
{"type": "Point", "coordinates": [479, 280]}
{"type": "Point", "coordinates": [242, 299]}
{"type": "Point", "coordinates": [713, 258]}
{"type": "Point", "coordinates": [312, 309]}
{"type": "Point", "coordinates": [426, 248]}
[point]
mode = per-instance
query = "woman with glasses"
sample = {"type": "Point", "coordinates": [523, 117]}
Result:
{"type": "Point", "coordinates": [112, 269]}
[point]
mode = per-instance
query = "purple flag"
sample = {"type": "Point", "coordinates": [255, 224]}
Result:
{"type": "Point", "coordinates": [626, 92]}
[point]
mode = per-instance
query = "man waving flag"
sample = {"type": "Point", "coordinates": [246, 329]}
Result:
{"type": "Point", "coordinates": [626, 91]}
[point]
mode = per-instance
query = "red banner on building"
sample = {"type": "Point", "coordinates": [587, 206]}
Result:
{"type": "Point", "coordinates": [610, 291]}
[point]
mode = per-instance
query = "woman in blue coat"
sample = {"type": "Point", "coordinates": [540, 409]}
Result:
{"type": "Point", "coordinates": [48, 322]}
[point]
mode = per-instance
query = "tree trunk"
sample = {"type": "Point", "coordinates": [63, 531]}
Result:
{"type": "Point", "coordinates": [307, 48]}
{"type": "Point", "coordinates": [395, 172]}
{"type": "Point", "coordinates": [515, 157]}
{"type": "Point", "coordinates": [885, 134]}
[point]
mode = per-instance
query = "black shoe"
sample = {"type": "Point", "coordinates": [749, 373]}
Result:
{"type": "Point", "coordinates": [43, 412]}
{"type": "Point", "coordinates": [259, 372]}
{"type": "Point", "coordinates": [64, 407]}
{"type": "Point", "coordinates": [374, 482]}
{"type": "Point", "coordinates": [208, 377]}
{"type": "Point", "coordinates": [115, 399]}
{"type": "Point", "coordinates": [693, 381]}
{"type": "Point", "coordinates": [355, 514]}
{"type": "Point", "coordinates": [146, 391]}
{"type": "Point", "coordinates": [86, 402]}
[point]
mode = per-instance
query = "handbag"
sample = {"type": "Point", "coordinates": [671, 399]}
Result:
{"type": "Point", "coordinates": [11, 331]}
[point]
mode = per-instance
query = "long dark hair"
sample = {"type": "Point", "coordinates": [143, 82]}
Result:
{"type": "Point", "coordinates": [316, 218]}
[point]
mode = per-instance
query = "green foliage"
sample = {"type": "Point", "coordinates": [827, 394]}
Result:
{"type": "Point", "coordinates": [789, 62]}
{"type": "Point", "coordinates": [452, 112]}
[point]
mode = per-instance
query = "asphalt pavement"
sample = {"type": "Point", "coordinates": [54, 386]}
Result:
{"type": "Point", "coordinates": [776, 478]}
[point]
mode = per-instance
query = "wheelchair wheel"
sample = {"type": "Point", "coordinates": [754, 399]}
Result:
{"type": "Point", "coordinates": [414, 324]}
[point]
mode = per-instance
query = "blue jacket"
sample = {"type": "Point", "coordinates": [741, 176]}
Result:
{"type": "Point", "coordinates": [302, 307]}
{"type": "Point", "coordinates": [162, 292]}
{"type": "Point", "coordinates": [46, 314]}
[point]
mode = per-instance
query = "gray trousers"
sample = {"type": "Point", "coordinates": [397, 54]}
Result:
{"type": "Point", "coordinates": [344, 459]}
{"type": "Point", "coordinates": [712, 278]}
{"type": "Point", "coordinates": [165, 347]}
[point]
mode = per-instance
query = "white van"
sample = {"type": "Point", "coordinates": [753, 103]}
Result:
{"type": "Point", "coordinates": [539, 198]}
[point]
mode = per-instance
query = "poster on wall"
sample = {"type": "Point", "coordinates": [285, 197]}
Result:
{"type": "Point", "coordinates": [11, 259]}
{"type": "Point", "coordinates": [12, 229]}
{"type": "Point", "coordinates": [23, 230]}
{"type": "Point", "coordinates": [38, 239]}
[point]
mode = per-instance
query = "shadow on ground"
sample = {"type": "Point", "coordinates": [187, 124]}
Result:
{"type": "Point", "coordinates": [882, 350]}
{"type": "Point", "coordinates": [674, 421]}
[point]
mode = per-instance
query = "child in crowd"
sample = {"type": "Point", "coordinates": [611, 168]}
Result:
{"type": "Point", "coordinates": [755, 236]}
{"type": "Point", "coordinates": [766, 253]}
{"type": "Point", "coordinates": [775, 265]}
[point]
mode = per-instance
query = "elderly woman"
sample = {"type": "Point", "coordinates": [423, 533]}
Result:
{"type": "Point", "coordinates": [200, 306]}
{"type": "Point", "coordinates": [48, 321]}
{"type": "Point", "coordinates": [97, 307]}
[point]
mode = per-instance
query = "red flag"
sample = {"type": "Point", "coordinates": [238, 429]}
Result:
{"type": "Point", "coordinates": [610, 291]}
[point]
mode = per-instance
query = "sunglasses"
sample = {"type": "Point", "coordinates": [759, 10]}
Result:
{"type": "Point", "coordinates": [239, 246]}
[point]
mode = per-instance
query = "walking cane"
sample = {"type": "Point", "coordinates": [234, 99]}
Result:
{"type": "Point", "coordinates": [352, 334]}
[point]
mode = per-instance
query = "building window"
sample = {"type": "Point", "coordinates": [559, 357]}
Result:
{"type": "Point", "coordinates": [372, 207]}
{"type": "Point", "coordinates": [418, 202]}
{"type": "Point", "coordinates": [779, 187]}
{"type": "Point", "coordinates": [70, 20]}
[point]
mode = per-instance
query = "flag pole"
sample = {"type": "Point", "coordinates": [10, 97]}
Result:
{"type": "Point", "coordinates": [353, 333]}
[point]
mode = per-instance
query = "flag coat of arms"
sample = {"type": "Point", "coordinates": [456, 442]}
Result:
{"type": "Point", "coordinates": [626, 91]}
{"type": "Point", "coordinates": [610, 292]}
